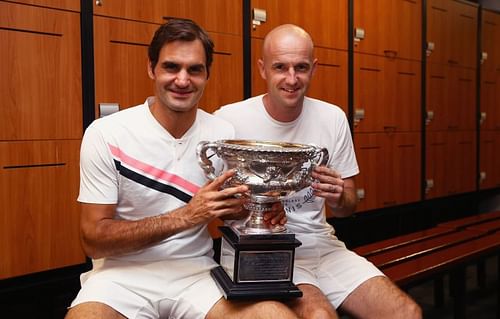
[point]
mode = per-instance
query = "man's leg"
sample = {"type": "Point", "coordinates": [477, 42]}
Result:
{"type": "Point", "coordinates": [313, 304]}
{"type": "Point", "coordinates": [250, 310]}
{"type": "Point", "coordinates": [378, 297]}
{"type": "Point", "coordinates": [93, 310]}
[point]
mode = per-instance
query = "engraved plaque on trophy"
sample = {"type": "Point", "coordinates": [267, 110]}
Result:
{"type": "Point", "coordinates": [257, 258]}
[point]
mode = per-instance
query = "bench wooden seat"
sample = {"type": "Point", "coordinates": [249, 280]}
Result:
{"type": "Point", "coordinates": [432, 253]}
{"type": "Point", "coordinates": [470, 220]}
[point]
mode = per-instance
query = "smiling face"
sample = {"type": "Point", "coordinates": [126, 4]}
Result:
{"type": "Point", "coordinates": [180, 75]}
{"type": "Point", "coordinates": [287, 66]}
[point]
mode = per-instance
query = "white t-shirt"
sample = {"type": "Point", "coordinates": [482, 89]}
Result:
{"type": "Point", "coordinates": [130, 160]}
{"type": "Point", "coordinates": [319, 123]}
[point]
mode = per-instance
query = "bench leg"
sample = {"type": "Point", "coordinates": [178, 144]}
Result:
{"type": "Point", "coordinates": [457, 286]}
{"type": "Point", "coordinates": [481, 274]}
{"type": "Point", "coordinates": [439, 291]}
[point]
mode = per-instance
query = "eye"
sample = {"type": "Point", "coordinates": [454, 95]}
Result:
{"type": "Point", "coordinates": [279, 67]}
{"type": "Point", "coordinates": [171, 67]}
{"type": "Point", "coordinates": [196, 69]}
{"type": "Point", "coordinates": [302, 67]}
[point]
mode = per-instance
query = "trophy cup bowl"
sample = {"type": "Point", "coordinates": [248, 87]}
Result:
{"type": "Point", "coordinates": [271, 170]}
{"type": "Point", "coordinates": [256, 260]}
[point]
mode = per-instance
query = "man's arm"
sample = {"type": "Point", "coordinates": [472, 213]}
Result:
{"type": "Point", "coordinates": [340, 194]}
{"type": "Point", "coordinates": [104, 236]}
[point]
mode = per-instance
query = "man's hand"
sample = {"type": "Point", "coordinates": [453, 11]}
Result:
{"type": "Point", "coordinates": [339, 193]}
{"type": "Point", "coordinates": [212, 202]}
{"type": "Point", "coordinates": [276, 215]}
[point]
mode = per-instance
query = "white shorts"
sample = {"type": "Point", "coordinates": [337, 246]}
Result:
{"type": "Point", "coordinates": [166, 289]}
{"type": "Point", "coordinates": [330, 266]}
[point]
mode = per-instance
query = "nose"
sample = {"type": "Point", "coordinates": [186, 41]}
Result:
{"type": "Point", "coordinates": [182, 78]}
{"type": "Point", "coordinates": [291, 76]}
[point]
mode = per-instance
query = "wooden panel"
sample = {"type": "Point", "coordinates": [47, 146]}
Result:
{"type": "Point", "coordinates": [388, 90]}
{"type": "Point", "coordinates": [325, 20]}
{"type": "Point", "coordinates": [392, 27]}
{"type": "Point", "coordinates": [451, 163]}
{"type": "Point", "coordinates": [490, 95]}
{"type": "Point", "coordinates": [489, 158]}
{"type": "Point", "coordinates": [120, 57]}
{"type": "Point", "coordinates": [436, 164]}
{"type": "Point", "coordinates": [464, 34]}
{"type": "Point", "coordinates": [452, 27]}
{"type": "Point", "coordinates": [490, 33]}
{"type": "Point", "coordinates": [225, 84]}
{"type": "Point", "coordinates": [57, 4]}
{"type": "Point", "coordinates": [39, 224]}
{"type": "Point", "coordinates": [437, 83]}
{"type": "Point", "coordinates": [120, 42]}
{"type": "Point", "coordinates": [451, 96]}
{"type": "Point", "coordinates": [381, 158]}
{"type": "Point", "coordinates": [462, 99]}
{"type": "Point", "coordinates": [439, 16]}
{"type": "Point", "coordinates": [329, 81]}
{"type": "Point", "coordinates": [207, 13]}
{"type": "Point", "coordinates": [462, 162]}
{"type": "Point", "coordinates": [40, 53]}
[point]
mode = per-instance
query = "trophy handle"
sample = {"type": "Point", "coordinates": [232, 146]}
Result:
{"type": "Point", "coordinates": [204, 161]}
{"type": "Point", "coordinates": [321, 155]}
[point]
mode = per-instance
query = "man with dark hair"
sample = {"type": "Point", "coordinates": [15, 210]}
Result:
{"type": "Point", "coordinates": [145, 201]}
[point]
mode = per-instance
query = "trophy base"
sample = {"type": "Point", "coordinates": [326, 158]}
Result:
{"type": "Point", "coordinates": [253, 291]}
{"type": "Point", "coordinates": [256, 266]}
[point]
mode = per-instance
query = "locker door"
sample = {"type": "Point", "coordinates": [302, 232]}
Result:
{"type": "Point", "coordinates": [436, 176]}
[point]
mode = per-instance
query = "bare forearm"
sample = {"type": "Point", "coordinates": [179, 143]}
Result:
{"type": "Point", "coordinates": [113, 237]}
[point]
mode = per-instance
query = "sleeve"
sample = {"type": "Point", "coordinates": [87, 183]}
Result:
{"type": "Point", "coordinates": [343, 159]}
{"type": "Point", "coordinates": [98, 173]}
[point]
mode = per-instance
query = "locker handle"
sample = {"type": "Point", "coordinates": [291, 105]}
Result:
{"type": "Point", "coordinates": [98, 2]}
{"type": "Point", "coordinates": [390, 128]}
{"type": "Point", "coordinates": [391, 53]}
{"type": "Point", "coordinates": [452, 62]}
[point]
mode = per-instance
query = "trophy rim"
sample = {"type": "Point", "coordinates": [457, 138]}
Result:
{"type": "Point", "coordinates": [266, 146]}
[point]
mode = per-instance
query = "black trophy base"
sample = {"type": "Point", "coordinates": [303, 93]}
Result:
{"type": "Point", "coordinates": [254, 291]}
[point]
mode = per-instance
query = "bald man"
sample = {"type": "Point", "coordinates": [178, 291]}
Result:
{"type": "Point", "coordinates": [329, 275]}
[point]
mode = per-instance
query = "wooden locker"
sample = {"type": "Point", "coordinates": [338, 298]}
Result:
{"type": "Point", "coordinates": [387, 93]}
{"type": "Point", "coordinates": [391, 28]}
{"type": "Point", "coordinates": [464, 34]}
{"type": "Point", "coordinates": [207, 13]}
{"type": "Point", "coordinates": [39, 224]}
{"type": "Point", "coordinates": [452, 29]}
{"type": "Point", "coordinates": [329, 82]}
{"type": "Point", "coordinates": [389, 169]}
{"type": "Point", "coordinates": [489, 157]}
{"type": "Point", "coordinates": [490, 110]}
{"type": "Point", "coordinates": [324, 20]}
{"type": "Point", "coordinates": [462, 111]}
{"type": "Point", "coordinates": [437, 97]}
{"type": "Point", "coordinates": [451, 163]}
{"type": "Point", "coordinates": [71, 5]}
{"type": "Point", "coordinates": [41, 84]}
{"type": "Point", "coordinates": [120, 42]}
{"type": "Point", "coordinates": [462, 162]}
{"type": "Point", "coordinates": [490, 33]}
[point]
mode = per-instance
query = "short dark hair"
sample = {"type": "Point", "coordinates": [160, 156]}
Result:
{"type": "Point", "coordinates": [180, 30]}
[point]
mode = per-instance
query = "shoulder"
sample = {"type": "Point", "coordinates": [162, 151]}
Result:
{"type": "Point", "coordinates": [247, 105]}
{"type": "Point", "coordinates": [323, 107]}
{"type": "Point", "coordinates": [210, 122]}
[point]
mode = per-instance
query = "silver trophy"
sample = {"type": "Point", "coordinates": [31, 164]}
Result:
{"type": "Point", "coordinates": [256, 258]}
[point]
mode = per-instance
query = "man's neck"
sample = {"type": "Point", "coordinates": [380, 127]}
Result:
{"type": "Point", "coordinates": [281, 113]}
{"type": "Point", "coordinates": [176, 123]}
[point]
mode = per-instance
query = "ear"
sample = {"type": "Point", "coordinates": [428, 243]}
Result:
{"type": "Point", "coordinates": [262, 70]}
{"type": "Point", "coordinates": [313, 69]}
{"type": "Point", "coordinates": [151, 72]}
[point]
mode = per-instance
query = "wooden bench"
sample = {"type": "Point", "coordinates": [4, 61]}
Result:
{"type": "Point", "coordinates": [433, 253]}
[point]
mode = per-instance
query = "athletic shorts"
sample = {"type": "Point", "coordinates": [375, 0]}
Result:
{"type": "Point", "coordinates": [330, 266]}
{"type": "Point", "coordinates": [166, 289]}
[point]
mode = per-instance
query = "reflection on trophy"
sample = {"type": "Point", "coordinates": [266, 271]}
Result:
{"type": "Point", "coordinates": [256, 258]}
